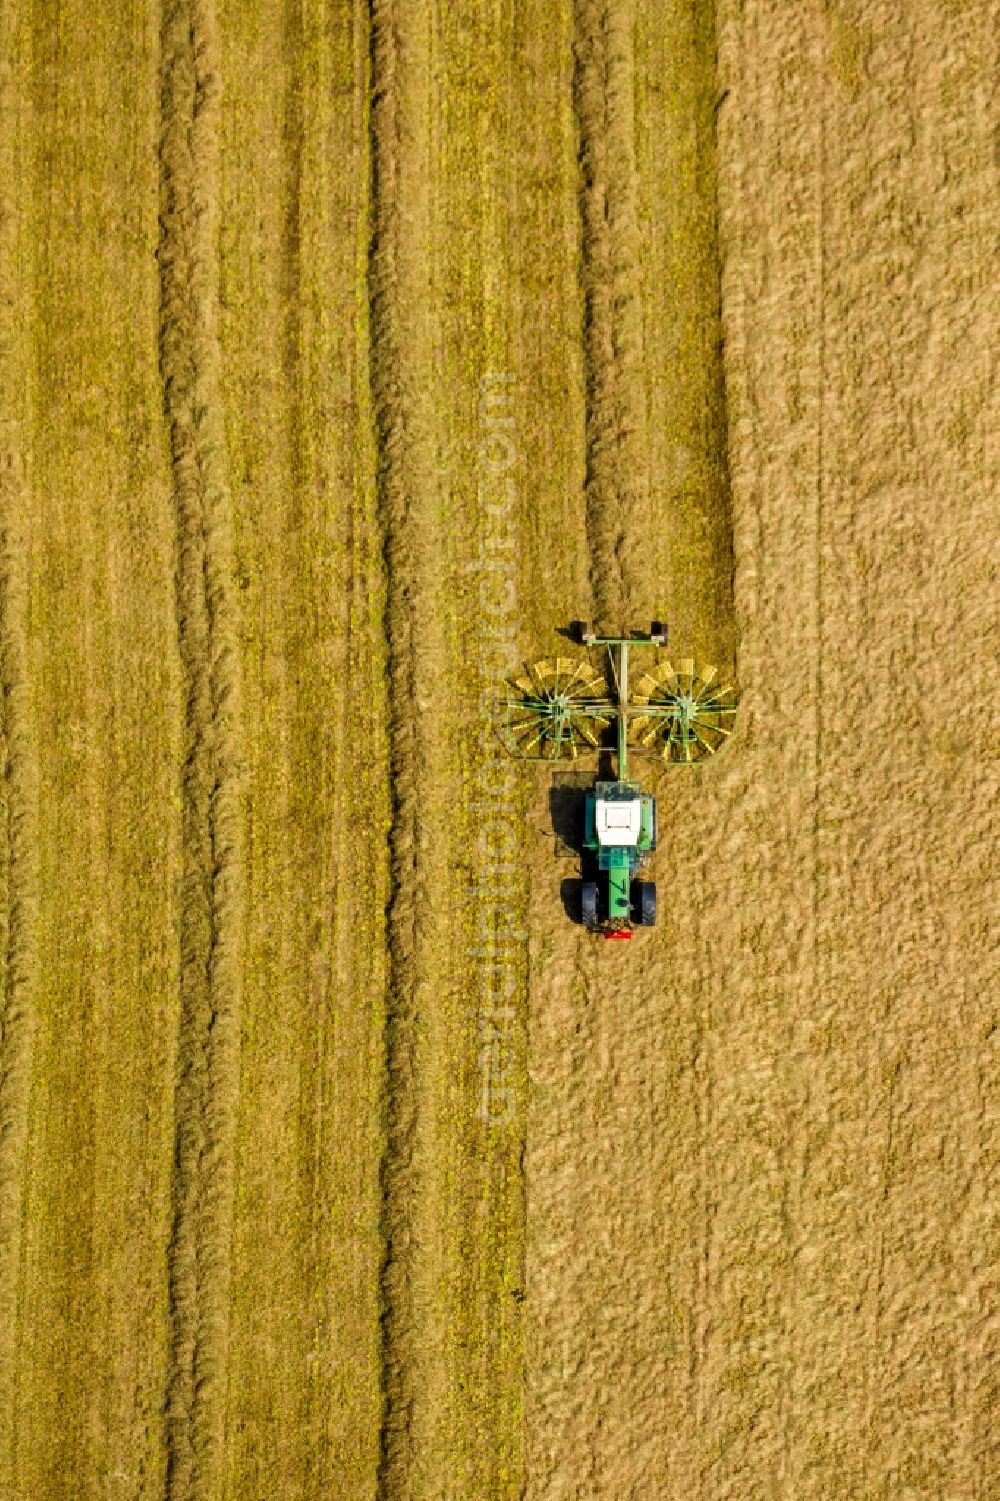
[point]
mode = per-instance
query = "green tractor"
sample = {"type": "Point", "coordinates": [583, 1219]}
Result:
{"type": "Point", "coordinates": [559, 708]}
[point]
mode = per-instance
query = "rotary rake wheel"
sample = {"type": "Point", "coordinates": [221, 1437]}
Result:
{"type": "Point", "coordinates": [555, 709]}
{"type": "Point", "coordinates": [690, 715]}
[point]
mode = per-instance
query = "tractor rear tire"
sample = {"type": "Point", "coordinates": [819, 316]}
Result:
{"type": "Point", "coordinates": [588, 904]}
{"type": "Point", "coordinates": [584, 632]}
{"type": "Point", "coordinates": [658, 633]}
{"type": "Point", "coordinates": [644, 902]}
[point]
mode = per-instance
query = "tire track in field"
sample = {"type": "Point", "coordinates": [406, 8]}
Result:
{"type": "Point", "coordinates": [399, 293]}
{"type": "Point", "coordinates": [207, 1077]}
{"type": "Point", "coordinates": [617, 472]}
{"type": "Point", "coordinates": [18, 759]}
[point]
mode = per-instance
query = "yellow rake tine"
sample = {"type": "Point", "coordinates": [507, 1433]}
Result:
{"type": "Point", "coordinates": [717, 729]}
{"type": "Point", "coordinates": [542, 672]}
{"type": "Point", "coordinates": [706, 745]}
{"type": "Point", "coordinates": [582, 672]}
{"type": "Point", "coordinates": [571, 665]}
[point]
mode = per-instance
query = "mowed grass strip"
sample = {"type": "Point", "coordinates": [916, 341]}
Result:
{"type": "Point", "coordinates": [685, 574]}
{"type": "Point", "coordinates": [617, 484]}
{"type": "Point", "coordinates": [207, 1081]}
{"type": "Point", "coordinates": [91, 1344]}
{"type": "Point", "coordinates": [481, 1077]}
{"type": "Point", "coordinates": [18, 756]}
{"type": "Point", "coordinates": [305, 1366]}
{"type": "Point", "coordinates": [419, 933]}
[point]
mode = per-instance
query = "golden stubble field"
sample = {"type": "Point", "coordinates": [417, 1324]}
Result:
{"type": "Point", "coordinates": [347, 353]}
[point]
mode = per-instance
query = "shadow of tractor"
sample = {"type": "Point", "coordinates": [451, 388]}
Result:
{"type": "Point", "coordinates": [567, 796]}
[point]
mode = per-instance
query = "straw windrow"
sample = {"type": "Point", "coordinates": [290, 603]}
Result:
{"type": "Point", "coordinates": [207, 1080]}
{"type": "Point", "coordinates": [401, 341]}
{"type": "Point", "coordinates": [617, 478]}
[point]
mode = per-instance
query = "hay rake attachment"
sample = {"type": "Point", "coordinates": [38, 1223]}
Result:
{"type": "Point", "coordinates": [688, 716]}
{"type": "Point", "coordinates": [560, 708]}
{"type": "Point", "coordinates": [555, 709]}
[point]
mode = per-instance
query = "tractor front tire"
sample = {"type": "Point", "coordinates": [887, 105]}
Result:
{"type": "Point", "coordinates": [588, 904]}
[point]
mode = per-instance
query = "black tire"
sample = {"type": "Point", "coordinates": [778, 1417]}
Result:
{"type": "Point", "coordinates": [644, 903]}
{"type": "Point", "coordinates": [584, 631]}
{"type": "Point", "coordinates": [588, 904]}
{"type": "Point", "coordinates": [658, 633]}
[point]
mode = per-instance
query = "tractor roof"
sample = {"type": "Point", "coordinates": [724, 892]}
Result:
{"type": "Point", "coordinates": [617, 821]}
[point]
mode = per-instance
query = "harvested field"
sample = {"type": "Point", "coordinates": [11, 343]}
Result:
{"type": "Point", "coordinates": [348, 352]}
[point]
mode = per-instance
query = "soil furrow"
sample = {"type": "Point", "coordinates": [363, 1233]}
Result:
{"type": "Point", "coordinates": [401, 341]}
{"type": "Point", "coordinates": [207, 1079]}
{"type": "Point", "coordinates": [18, 762]}
{"type": "Point", "coordinates": [617, 476]}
